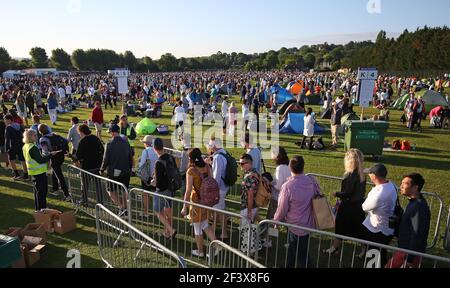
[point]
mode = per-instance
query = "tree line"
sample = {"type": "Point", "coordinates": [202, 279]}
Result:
{"type": "Point", "coordinates": [424, 49]}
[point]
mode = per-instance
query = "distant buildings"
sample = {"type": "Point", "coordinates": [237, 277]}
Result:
{"type": "Point", "coordinates": [33, 72]}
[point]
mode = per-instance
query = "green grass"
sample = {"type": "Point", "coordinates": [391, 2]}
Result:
{"type": "Point", "coordinates": [431, 159]}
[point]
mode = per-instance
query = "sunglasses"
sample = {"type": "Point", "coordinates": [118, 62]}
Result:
{"type": "Point", "coordinates": [243, 163]}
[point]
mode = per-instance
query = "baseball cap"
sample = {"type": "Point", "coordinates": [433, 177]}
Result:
{"type": "Point", "coordinates": [114, 129]}
{"type": "Point", "coordinates": [377, 170]}
{"type": "Point", "coordinates": [158, 144]}
{"type": "Point", "coordinates": [147, 139]}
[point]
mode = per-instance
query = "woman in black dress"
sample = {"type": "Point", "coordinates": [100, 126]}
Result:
{"type": "Point", "coordinates": [350, 215]}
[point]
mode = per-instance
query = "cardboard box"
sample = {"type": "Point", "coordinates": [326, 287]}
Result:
{"type": "Point", "coordinates": [35, 230]}
{"type": "Point", "coordinates": [65, 222]}
{"type": "Point", "coordinates": [34, 255]}
{"type": "Point", "coordinates": [15, 232]}
{"type": "Point", "coordinates": [21, 263]}
{"type": "Point", "coordinates": [46, 218]}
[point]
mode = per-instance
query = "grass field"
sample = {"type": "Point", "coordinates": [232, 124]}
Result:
{"type": "Point", "coordinates": [431, 158]}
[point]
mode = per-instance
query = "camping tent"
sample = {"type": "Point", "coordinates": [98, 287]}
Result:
{"type": "Point", "coordinates": [282, 94]}
{"type": "Point", "coordinates": [314, 99]}
{"type": "Point", "coordinates": [401, 102]}
{"type": "Point", "coordinates": [433, 99]}
{"type": "Point", "coordinates": [286, 106]}
{"type": "Point", "coordinates": [295, 125]}
{"type": "Point", "coordinates": [145, 127]}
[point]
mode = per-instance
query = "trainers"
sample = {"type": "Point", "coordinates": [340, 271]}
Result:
{"type": "Point", "coordinates": [68, 199]}
{"type": "Point", "coordinates": [196, 253]}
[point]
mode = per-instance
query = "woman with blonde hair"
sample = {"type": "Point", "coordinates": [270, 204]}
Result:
{"type": "Point", "coordinates": [37, 166]}
{"type": "Point", "coordinates": [350, 215]}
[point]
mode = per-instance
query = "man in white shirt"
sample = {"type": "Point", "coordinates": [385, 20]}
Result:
{"type": "Point", "coordinates": [380, 206]}
{"type": "Point", "coordinates": [225, 109]}
{"type": "Point", "coordinates": [91, 91]}
{"type": "Point", "coordinates": [180, 117]}
{"type": "Point", "coordinates": [68, 90]}
{"type": "Point", "coordinates": [62, 96]}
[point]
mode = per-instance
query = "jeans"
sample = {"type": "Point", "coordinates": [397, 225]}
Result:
{"type": "Point", "coordinates": [40, 186]}
{"type": "Point", "coordinates": [298, 251]}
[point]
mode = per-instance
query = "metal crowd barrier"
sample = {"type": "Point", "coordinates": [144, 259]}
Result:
{"type": "Point", "coordinates": [331, 184]}
{"type": "Point", "coordinates": [143, 217]}
{"type": "Point", "coordinates": [447, 233]}
{"type": "Point", "coordinates": [123, 246]}
{"type": "Point", "coordinates": [311, 252]}
{"type": "Point", "coordinates": [229, 257]}
{"type": "Point", "coordinates": [88, 190]}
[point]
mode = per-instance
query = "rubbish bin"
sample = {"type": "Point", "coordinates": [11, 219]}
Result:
{"type": "Point", "coordinates": [9, 251]}
{"type": "Point", "coordinates": [367, 136]}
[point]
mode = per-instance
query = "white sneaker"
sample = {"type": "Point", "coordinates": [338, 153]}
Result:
{"type": "Point", "coordinates": [196, 253]}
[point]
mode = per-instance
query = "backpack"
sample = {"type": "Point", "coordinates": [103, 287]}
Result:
{"type": "Point", "coordinates": [163, 130]}
{"type": "Point", "coordinates": [397, 145]}
{"type": "Point", "coordinates": [231, 170]}
{"type": "Point", "coordinates": [396, 219]}
{"type": "Point", "coordinates": [209, 194]}
{"type": "Point", "coordinates": [173, 174]}
{"type": "Point", "coordinates": [144, 172]}
{"type": "Point", "coordinates": [264, 193]}
{"type": "Point", "coordinates": [59, 143]}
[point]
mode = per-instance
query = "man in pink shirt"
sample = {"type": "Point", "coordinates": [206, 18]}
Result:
{"type": "Point", "coordinates": [295, 207]}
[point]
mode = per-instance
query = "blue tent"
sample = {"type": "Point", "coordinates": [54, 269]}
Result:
{"type": "Point", "coordinates": [282, 94]}
{"type": "Point", "coordinates": [295, 125]}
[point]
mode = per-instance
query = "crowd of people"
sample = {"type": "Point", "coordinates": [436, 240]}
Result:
{"type": "Point", "coordinates": [37, 148]}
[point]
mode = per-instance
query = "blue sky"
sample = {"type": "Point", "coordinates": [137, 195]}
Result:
{"type": "Point", "coordinates": [203, 27]}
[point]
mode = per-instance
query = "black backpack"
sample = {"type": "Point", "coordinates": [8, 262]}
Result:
{"type": "Point", "coordinates": [396, 219]}
{"type": "Point", "coordinates": [231, 170]}
{"type": "Point", "coordinates": [59, 143]}
{"type": "Point", "coordinates": [173, 174]}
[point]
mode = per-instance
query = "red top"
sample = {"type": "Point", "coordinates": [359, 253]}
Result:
{"type": "Point", "coordinates": [97, 115]}
{"type": "Point", "coordinates": [18, 120]}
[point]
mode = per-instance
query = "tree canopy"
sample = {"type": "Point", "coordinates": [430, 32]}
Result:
{"type": "Point", "coordinates": [423, 49]}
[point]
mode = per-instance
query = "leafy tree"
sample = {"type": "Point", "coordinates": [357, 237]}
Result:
{"type": "Point", "coordinates": [60, 60]}
{"type": "Point", "coordinates": [130, 60]}
{"type": "Point", "coordinates": [39, 58]}
{"type": "Point", "coordinates": [168, 63]}
{"type": "Point", "coordinates": [5, 60]}
{"type": "Point", "coordinates": [79, 59]}
{"type": "Point", "coordinates": [310, 60]}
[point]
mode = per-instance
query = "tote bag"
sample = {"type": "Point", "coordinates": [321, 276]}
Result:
{"type": "Point", "coordinates": [323, 213]}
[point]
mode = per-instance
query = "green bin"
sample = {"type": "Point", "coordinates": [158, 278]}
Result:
{"type": "Point", "coordinates": [367, 136]}
{"type": "Point", "coordinates": [9, 251]}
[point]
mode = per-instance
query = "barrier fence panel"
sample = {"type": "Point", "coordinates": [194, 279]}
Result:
{"type": "Point", "coordinates": [123, 246]}
{"type": "Point", "coordinates": [288, 251]}
{"type": "Point", "coordinates": [447, 233]}
{"type": "Point", "coordinates": [88, 189]}
{"type": "Point", "coordinates": [229, 257]}
{"type": "Point", "coordinates": [212, 224]}
{"type": "Point", "coordinates": [331, 185]}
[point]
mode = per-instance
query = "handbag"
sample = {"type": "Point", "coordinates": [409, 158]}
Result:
{"type": "Point", "coordinates": [323, 213]}
{"type": "Point", "coordinates": [250, 242]}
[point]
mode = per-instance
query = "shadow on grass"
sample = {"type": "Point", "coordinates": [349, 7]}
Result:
{"type": "Point", "coordinates": [424, 163]}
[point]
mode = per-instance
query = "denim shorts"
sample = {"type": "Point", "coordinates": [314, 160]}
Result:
{"type": "Point", "coordinates": [160, 203]}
